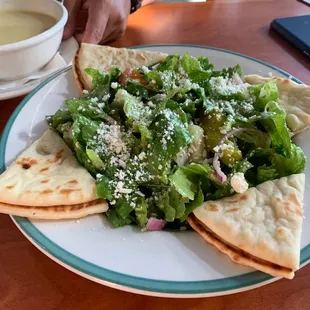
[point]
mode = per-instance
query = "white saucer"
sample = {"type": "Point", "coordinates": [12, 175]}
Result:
{"type": "Point", "coordinates": [67, 50]}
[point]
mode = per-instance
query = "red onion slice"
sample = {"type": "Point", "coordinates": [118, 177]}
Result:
{"type": "Point", "coordinates": [217, 167]}
{"type": "Point", "coordinates": [155, 224]}
{"type": "Point", "coordinates": [125, 75]}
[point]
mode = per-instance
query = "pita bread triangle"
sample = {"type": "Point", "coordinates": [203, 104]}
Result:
{"type": "Point", "coordinates": [46, 174]}
{"type": "Point", "coordinates": [260, 228]}
{"type": "Point", "coordinates": [294, 99]}
{"type": "Point", "coordinates": [106, 57]}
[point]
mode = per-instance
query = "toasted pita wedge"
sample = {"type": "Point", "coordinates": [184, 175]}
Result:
{"type": "Point", "coordinates": [47, 174]}
{"type": "Point", "coordinates": [56, 212]}
{"type": "Point", "coordinates": [105, 57]}
{"type": "Point", "coordinates": [260, 228]}
{"type": "Point", "coordinates": [294, 99]}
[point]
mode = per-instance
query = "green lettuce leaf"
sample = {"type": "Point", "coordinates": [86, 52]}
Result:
{"type": "Point", "coordinates": [85, 107]}
{"type": "Point", "coordinates": [276, 126]}
{"type": "Point", "coordinates": [116, 220]}
{"type": "Point", "coordinates": [266, 173]}
{"type": "Point", "coordinates": [154, 78]}
{"type": "Point", "coordinates": [170, 136]}
{"type": "Point", "coordinates": [104, 188]}
{"type": "Point", "coordinates": [136, 89]}
{"type": "Point", "coordinates": [264, 93]}
{"type": "Point", "coordinates": [61, 116]}
{"type": "Point", "coordinates": [192, 67]}
{"type": "Point", "coordinates": [205, 64]}
{"type": "Point", "coordinates": [141, 212]}
{"type": "Point", "coordinates": [171, 63]}
{"type": "Point", "coordinates": [294, 163]}
{"type": "Point", "coordinates": [185, 179]}
{"type": "Point", "coordinates": [171, 203]}
{"type": "Point", "coordinates": [95, 159]}
{"type": "Point", "coordinates": [192, 205]}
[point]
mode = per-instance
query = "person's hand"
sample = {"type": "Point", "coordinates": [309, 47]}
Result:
{"type": "Point", "coordinates": [107, 19]}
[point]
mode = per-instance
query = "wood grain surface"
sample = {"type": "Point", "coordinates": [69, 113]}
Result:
{"type": "Point", "coordinates": [30, 280]}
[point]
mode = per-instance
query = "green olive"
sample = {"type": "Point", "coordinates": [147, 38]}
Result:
{"type": "Point", "coordinates": [212, 124]}
{"type": "Point", "coordinates": [231, 154]}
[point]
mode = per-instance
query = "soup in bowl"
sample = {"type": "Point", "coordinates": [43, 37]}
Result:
{"type": "Point", "coordinates": [30, 35]}
{"type": "Point", "coordinates": [17, 25]}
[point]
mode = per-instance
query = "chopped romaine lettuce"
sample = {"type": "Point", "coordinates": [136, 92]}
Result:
{"type": "Point", "coordinates": [149, 139]}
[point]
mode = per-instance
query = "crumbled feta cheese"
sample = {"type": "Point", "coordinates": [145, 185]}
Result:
{"type": "Point", "coordinates": [185, 83]}
{"type": "Point", "coordinates": [216, 149]}
{"type": "Point", "coordinates": [85, 91]}
{"type": "Point", "coordinates": [226, 86]}
{"type": "Point", "coordinates": [140, 193]}
{"type": "Point", "coordinates": [106, 97]}
{"type": "Point", "coordinates": [138, 176]}
{"type": "Point", "coordinates": [95, 99]}
{"type": "Point", "coordinates": [120, 189]}
{"type": "Point", "coordinates": [151, 104]}
{"type": "Point", "coordinates": [145, 69]}
{"type": "Point", "coordinates": [101, 105]}
{"type": "Point", "coordinates": [239, 183]}
{"type": "Point", "coordinates": [114, 85]}
{"type": "Point", "coordinates": [142, 155]}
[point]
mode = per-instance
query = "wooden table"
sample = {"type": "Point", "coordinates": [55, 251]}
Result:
{"type": "Point", "coordinates": [30, 280]}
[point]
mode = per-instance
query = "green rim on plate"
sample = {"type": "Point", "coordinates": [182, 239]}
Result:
{"type": "Point", "coordinates": [143, 284]}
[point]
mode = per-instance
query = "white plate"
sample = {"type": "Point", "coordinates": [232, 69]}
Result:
{"type": "Point", "coordinates": [178, 264]}
{"type": "Point", "coordinates": [67, 50]}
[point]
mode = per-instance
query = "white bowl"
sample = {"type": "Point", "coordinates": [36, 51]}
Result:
{"type": "Point", "coordinates": [18, 60]}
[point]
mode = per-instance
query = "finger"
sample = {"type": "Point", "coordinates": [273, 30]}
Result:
{"type": "Point", "coordinates": [85, 5]}
{"type": "Point", "coordinates": [79, 37]}
{"type": "Point", "coordinates": [116, 34]}
{"type": "Point", "coordinates": [98, 16]}
{"type": "Point", "coordinates": [73, 8]}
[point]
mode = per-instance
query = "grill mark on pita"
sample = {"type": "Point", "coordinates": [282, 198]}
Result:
{"type": "Point", "coordinates": [46, 191]}
{"type": "Point", "coordinates": [212, 207]}
{"type": "Point", "coordinates": [209, 235]}
{"type": "Point", "coordinates": [291, 200]}
{"type": "Point", "coordinates": [238, 198]}
{"type": "Point", "coordinates": [27, 162]}
{"type": "Point", "coordinates": [73, 182]}
{"type": "Point", "coordinates": [232, 210]}
{"type": "Point", "coordinates": [292, 197]}
{"type": "Point", "coordinates": [10, 186]}
{"type": "Point", "coordinates": [57, 157]}
{"type": "Point", "coordinates": [68, 191]}
{"type": "Point", "coordinates": [43, 169]}
{"type": "Point", "coordinates": [45, 181]}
